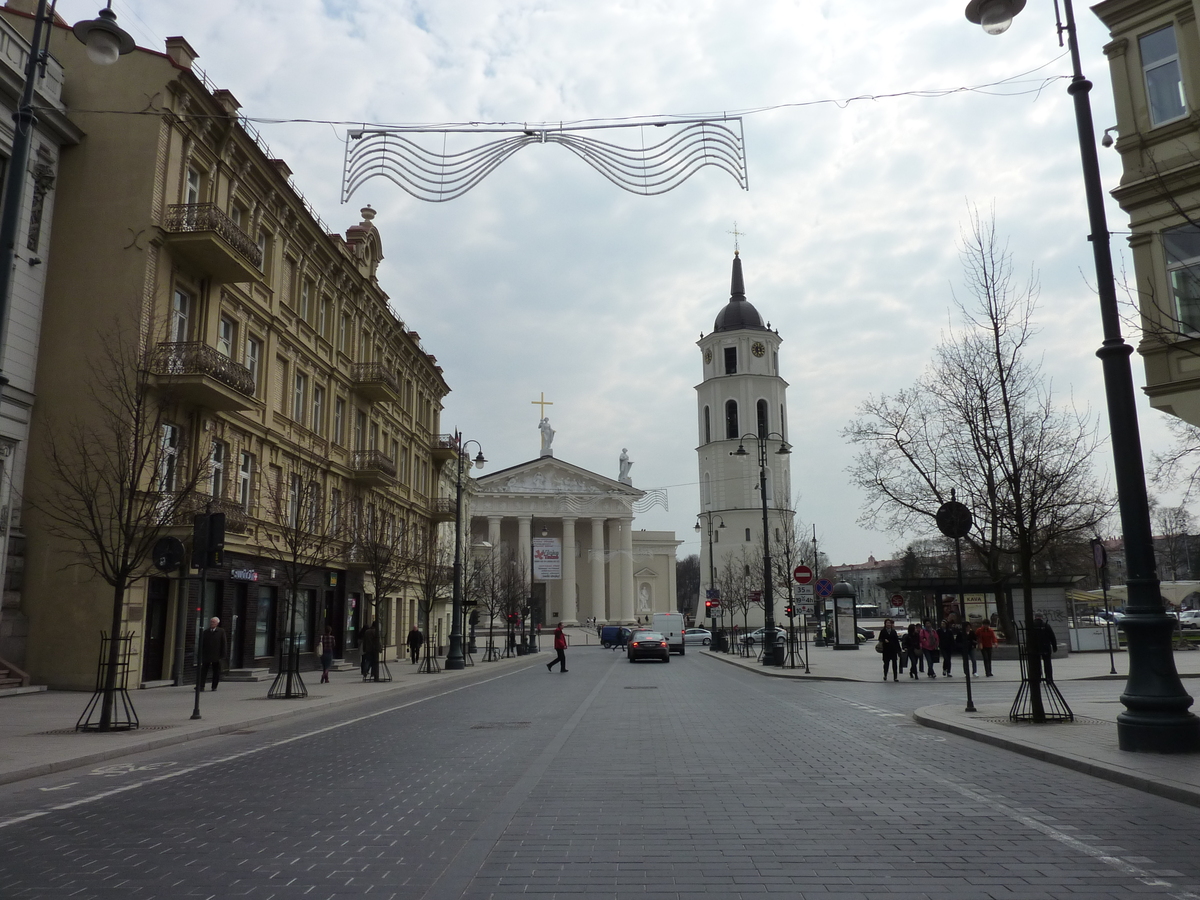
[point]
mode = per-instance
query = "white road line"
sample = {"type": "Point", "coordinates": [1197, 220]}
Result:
{"type": "Point", "coordinates": [175, 773]}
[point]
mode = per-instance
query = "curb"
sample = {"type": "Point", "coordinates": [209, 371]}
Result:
{"type": "Point", "coordinates": [1169, 790]}
{"type": "Point", "coordinates": [772, 672]}
{"type": "Point", "coordinates": [169, 740]}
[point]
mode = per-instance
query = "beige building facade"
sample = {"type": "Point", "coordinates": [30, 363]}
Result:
{"type": "Point", "coordinates": [1154, 60]}
{"type": "Point", "coordinates": [179, 230]}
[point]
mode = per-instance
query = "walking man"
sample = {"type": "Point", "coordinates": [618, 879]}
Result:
{"type": "Point", "coordinates": [929, 646]}
{"type": "Point", "coordinates": [371, 648]}
{"type": "Point", "coordinates": [986, 637]}
{"type": "Point", "coordinates": [414, 641]}
{"type": "Point", "coordinates": [560, 650]}
{"type": "Point", "coordinates": [213, 647]}
{"type": "Point", "coordinates": [1046, 644]}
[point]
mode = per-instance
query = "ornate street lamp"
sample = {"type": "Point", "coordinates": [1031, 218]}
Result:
{"type": "Point", "coordinates": [1156, 716]}
{"type": "Point", "coordinates": [773, 655]}
{"type": "Point", "coordinates": [712, 568]}
{"type": "Point", "coordinates": [106, 42]}
{"type": "Point", "coordinates": [454, 654]}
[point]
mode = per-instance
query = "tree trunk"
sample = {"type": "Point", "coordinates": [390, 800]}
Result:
{"type": "Point", "coordinates": [114, 651]}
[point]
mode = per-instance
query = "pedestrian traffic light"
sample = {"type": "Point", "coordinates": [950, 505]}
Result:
{"type": "Point", "coordinates": [789, 611]}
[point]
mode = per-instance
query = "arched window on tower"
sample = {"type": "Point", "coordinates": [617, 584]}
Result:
{"type": "Point", "coordinates": [707, 425]}
{"type": "Point", "coordinates": [762, 419]}
{"type": "Point", "coordinates": [731, 421]}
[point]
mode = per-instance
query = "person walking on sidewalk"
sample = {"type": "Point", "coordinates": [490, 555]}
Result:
{"type": "Point", "coordinates": [890, 645]}
{"type": "Point", "coordinates": [969, 641]}
{"type": "Point", "coordinates": [911, 642]}
{"type": "Point", "coordinates": [1046, 644]}
{"type": "Point", "coordinates": [560, 651]}
{"type": "Point", "coordinates": [213, 647]}
{"type": "Point", "coordinates": [415, 640]}
{"type": "Point", "coordinates": [371, 648]}
{"type": "Point", "coordinates": [328, 643]}
{"type": "Point", "coordinates": [948, 641]}
{"type": "Point", "coordinates": [929, 647]}
{"type": "Point", "coordinates": [986, 638]}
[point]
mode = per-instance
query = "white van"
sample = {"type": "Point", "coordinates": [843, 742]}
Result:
{"type": "Point", "coordinates": [670, 625]}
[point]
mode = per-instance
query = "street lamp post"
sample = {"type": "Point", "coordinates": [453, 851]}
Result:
{"type": "Point", "coordinates": [454, 654]}
{"type": "Point", "coordinates": [106, 42]}
{"type": "Point", "coordinates": [712, 568]}
{"type": "Point", "coordinates": [774, 655]}
{"type": "Point", "coordinates": [1156, 716]}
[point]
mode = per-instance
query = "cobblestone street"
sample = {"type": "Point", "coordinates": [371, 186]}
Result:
{"type": "Point", "coordinates": [613, 780]}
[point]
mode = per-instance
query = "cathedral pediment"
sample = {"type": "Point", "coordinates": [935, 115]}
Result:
{"type": "Point", "coordinates": [552, 485]}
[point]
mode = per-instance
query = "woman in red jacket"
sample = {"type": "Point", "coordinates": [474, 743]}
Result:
{"type": "Point", "coordinates": [560, 648]}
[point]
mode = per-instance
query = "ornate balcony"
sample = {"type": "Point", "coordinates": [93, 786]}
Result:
{"type": "Point", "coordinates": [442, 509]}
{"type": "Point", "coordinates": [443, 449]}
{"type": "Point", "coordinates": [202, 235]}
{"type": "Point", "coordinates": [375, 382]}
{"type": "Point", "coordinates": [199, 375]}
{"type": "Point", "coordinates": [373, 469]}
{"type": "Point", "coordinates": [236, 520]}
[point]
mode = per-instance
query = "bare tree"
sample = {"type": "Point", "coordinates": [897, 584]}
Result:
{"type": "Point", "coordinates": [1179, 466]}
{"type": "Point", "coordinates": [378, 540]}
{"type": "Point", "coordinates": [115, 479]}
{"type": "Point", "coordinates": [304, 530]}
{"type": "Point", "coordinates": [983, 422]}
{"type": "Point", "coordinates": [429, 568]}
{"type": "Point", "coordinates": [737, 577]}
{"type": "Point", "coordinates": [687, 584]}
{"type": "Point", "coordinates": [1173, 526]}
{"type": "Point", "coordinates": [491, 584]}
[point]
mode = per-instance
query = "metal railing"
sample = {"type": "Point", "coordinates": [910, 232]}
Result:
{"type": "Point", "coordinates": [185, 218]}
{"type": "Point", "coordinates": [374, 461]}
{"type": "Point", "coordinates": [374, 373]}
{"type": "Point", "coordinates": [236, 519]}
{"type": "Point", "coordinates": [198, 358]}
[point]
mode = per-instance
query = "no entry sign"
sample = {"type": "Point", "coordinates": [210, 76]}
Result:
{"type": "Point", "coordinates": [802, 574]}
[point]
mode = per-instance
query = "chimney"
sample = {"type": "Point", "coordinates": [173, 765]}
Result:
{"type": "Point", "coordinates": [181, 52]}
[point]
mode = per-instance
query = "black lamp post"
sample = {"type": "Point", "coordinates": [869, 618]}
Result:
{"type": "Point", "coordinates": [712, 567]}
{"type": "Point", "coordinates": [106, 42]}
{"type": "Point", "coordinates": [1156, 716]}
{"type": "Point", "coordinates": [454, 654]}
{"type": "Point", "coordinates": [774, 653]}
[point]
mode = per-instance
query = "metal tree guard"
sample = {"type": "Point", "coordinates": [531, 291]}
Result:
{"type": "Point", "coordinates": [124, 717]}
{"type": "Point", "coordinates": [437, 176]}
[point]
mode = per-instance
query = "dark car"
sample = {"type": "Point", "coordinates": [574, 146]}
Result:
{"type": "Point", "coordinates": [614, 636]}
{"type": "Point", "coordinates": [649, 645]}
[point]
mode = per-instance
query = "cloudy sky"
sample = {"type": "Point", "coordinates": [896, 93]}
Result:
{"type": "Point", "coordinates": [547, 278]}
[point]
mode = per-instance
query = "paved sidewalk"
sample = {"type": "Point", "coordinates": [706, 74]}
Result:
{"type": "Point", "coordinates": [38, 737]}
{"type": "Point", "coordinates": [1087, 745]}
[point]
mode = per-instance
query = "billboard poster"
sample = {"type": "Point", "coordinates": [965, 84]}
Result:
{"type": "Point", "coordinates": [547, 559]}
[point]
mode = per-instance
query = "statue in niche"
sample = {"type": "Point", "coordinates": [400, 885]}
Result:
{"type": "Point", "coordinates": [547, 436]}
{"type": "Point", "coordinates": [644, 598]}
{"type": "Point", "coordinates": [626, 465]}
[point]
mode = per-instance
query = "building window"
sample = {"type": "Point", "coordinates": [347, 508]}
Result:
{"type": "Point", "coordinates": [264, 246]}
{"type": "Point", "coordinates": [238, 216]}
{"type": "Point", "coordinates": [731, 421]}
{"type": "Point", "coordinates": [323, 318]}
{"type": "Point", "coordinates": [168, 461]}
{"type": "Point", "coordinates": [343, 331]}
{"type": "Point", "coordinates": [294, 501]}
{"type": "Point", "coordinates": [264, 622]}
{"type": "Point", "coordinates": [707, 425]}
{"type": "Point", "coordinates": [181, 311]}
{"type": "Point", "coordinates": [762, 419]}
{"type": "Point", "coordinates": [335, 511]}
{"type": "Point", "coordinates": [731, 360]}
{"type": "Point", "coordinates": [747, 540]}
{"type": "Point", "coordinates": [305, 299]}
{"type": "Point", "coordinates": [254, 359]}
{"type": "Point", "coordinates": [782, 422]}
{"type": "Point", "coordinates": [299, 393]}
{"type": "Point", "coordinates": [1164, 83]}
{"type": "Point", "coordinates": [339, 421]}
{"type": "Point", "coordinates": [226, 336]}
{"type": "Point", "coordinates": [404, 466]}
{"type": "Point", "coordinates": [245, 474]}
{"type": "Point", "coordinates": [1182, 247]}
{"type": "Point", "coordinates": [216, 469]}
{"type": "Point", "coordinates": [318, 409]}
{"type": "Point", "coordinates": [360, 430]}
{"type": "Point", "coordinates": [191, 193]}
{"type": "Point", "coordinates": [374, 436]}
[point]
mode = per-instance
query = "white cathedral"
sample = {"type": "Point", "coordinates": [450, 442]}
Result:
{"type": "Point", "coordinates": [742, 395]}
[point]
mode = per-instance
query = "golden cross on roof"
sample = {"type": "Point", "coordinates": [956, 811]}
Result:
{"type": "Point", "coordinates": [543, 403]}
{"type": "Point", "coordinates": [736, 236]}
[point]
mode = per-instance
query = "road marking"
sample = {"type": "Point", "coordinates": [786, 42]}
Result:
{"type": "Point", "coordinates": [60, 787]}
{"type": "Point", "coordinates": [129, 768]}
{"type": "Point", "coordinates": [186, 770]}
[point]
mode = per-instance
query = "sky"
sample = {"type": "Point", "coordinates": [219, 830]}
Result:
{"type": "Point", "coordinates": [546, 278]}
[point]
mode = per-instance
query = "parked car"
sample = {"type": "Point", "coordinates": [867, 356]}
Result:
{"type": "Point", "coordinates": [760, 636]}
{"type": "Point", "coordinates": [1189, 619]}
{"type": "Point", "coordinates": [649, 645]}
{"type": "Point", "coordinates": [614, 636]}
{"type": "Point", "coordinates": [697, 636]}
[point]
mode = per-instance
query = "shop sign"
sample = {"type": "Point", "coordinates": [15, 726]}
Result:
{"type": "Point", "coordinates": [243, 574]}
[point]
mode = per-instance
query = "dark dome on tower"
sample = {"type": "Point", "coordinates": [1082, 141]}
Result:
{"type": "Point", "coordinates": [738, 312]}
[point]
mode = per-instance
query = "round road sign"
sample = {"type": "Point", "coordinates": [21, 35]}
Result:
{"type": "Point", "coordinates": [802, 574]}
{"type": "Point", "coordinates": [824, 588]}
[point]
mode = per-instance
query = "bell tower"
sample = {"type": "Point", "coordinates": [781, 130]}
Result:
{"type": "Point", "coordinates": [741, 393]}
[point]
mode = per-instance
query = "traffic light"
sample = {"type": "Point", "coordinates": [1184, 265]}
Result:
{"type": "Point", "coordinates": [208, 540]}
{"type": "Point", "coordinates": [789, 611]}
{"type": "Point", "coordinates": [708, 608]}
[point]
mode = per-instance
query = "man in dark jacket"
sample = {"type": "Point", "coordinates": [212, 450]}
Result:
{"type": "Point", "coordinates": [1046, 644]}
{"type": "Point", "coordinates": [213, 648]}
{"type": "Point", "coordinates": [889, 644]}
{"type": "Point", "coordinates": [372, 646]}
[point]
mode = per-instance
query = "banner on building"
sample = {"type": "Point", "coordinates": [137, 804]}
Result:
{"type": "Point", "coordinates": [547, 559]}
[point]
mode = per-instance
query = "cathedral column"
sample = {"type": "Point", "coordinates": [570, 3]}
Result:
{"type": "Point", "coordinates": [616, 612]}
{"type": "Point", "coordinates": [567, 613]}
{"type": "Point", "coordinates": [596, 563]}
{"type": "Point", "coordinates": [525, 550]}
{"type": "Point", "coordinates": [627, 610]}
{"type": "Point", "coordinates": [494, 533]}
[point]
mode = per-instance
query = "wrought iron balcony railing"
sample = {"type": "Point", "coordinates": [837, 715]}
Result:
{"type": "Point", "coordinates": [374, 373]}
{"type": "Point", "coordinates": [198, 358]}
{"type": "Point", "coordinates": [185, 218]}
{"type": "Point", "coordinates": [374, 461]}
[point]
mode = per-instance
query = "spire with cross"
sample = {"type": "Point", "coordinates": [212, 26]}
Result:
{"type": "Point", "coordinates": [737, 236]}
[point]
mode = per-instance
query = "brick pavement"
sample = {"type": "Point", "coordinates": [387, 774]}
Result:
{"type": "Point", "coordinates": [616, 780]}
